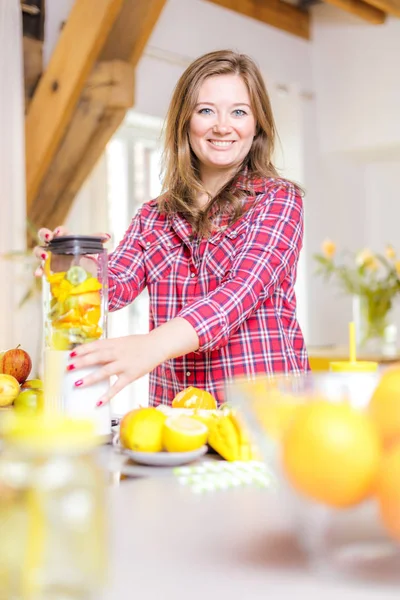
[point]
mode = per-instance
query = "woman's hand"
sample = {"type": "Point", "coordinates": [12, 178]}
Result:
{"type": "Point", "coordinates": [127, 357]}
{"type": "Point", "coordinates": [45, 236]}
{"type": "Point", "coordinates": [132, 356]}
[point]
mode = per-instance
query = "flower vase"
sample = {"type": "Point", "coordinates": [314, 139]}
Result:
{"type": "Point", "coordinates": [375, 330]}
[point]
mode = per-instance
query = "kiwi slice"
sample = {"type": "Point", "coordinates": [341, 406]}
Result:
{"type": "Point", "coordinates": [76, 275]}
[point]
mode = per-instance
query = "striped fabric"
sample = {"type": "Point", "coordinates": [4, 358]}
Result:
{"type": "Point", "coordinates": [235, 288]}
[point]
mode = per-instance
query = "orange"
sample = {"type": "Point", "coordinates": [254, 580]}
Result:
{"type": "Point", "coordinates": [331, 453]}
{"type": "Point", "coordinates": [192, 397]}
{"type": "Point", "coordinates": [385, 406]}
{"type": "Point", "coordinates": [388, 491]}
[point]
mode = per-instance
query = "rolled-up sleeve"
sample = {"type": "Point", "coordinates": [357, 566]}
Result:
{"type": "Point", "coordinates": [267, 255]}
{"type": "Point", "coordinates": [126, 273]}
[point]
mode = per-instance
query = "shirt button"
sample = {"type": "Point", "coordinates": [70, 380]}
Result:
{"type": "Point", "coordinates": [188, 373]}
{"type": "Point", "coordinates": [147, 244]}
{"type": "Point", "coordinates": [192, 274]}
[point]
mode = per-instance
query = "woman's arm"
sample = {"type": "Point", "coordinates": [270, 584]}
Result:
{"type": "Point", "coordinates": [268, 253]}
{"type": "Point", "coordinates": [133, 356]}
{"type": "Point", "coordinates": [126, 272]}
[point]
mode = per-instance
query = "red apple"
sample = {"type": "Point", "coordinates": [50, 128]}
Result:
{"type": "Point", "coordinates": [16, 362]}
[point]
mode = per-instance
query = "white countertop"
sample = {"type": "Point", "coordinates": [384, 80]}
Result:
{"type": "Point", "coordinates": [170, 543]}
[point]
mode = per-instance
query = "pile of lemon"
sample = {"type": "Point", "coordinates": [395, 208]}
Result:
{"type": "Point", "coordinates": [338, 455]}
{"type": "Point", "coordinates": [149, 429]}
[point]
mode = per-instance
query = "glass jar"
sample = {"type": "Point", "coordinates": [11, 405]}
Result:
{"type": "Point", "coordinates": [52, 510]}
{"type": "Point", "coordinates": [75, 294]}
{"type": "Point", "coordinates": [376, 331]}
{"type": "Point", "coordinates": [341, 543]}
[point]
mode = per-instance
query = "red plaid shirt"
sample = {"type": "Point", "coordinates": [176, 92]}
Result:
{"type": "Point", "coordinates": [235, 288]}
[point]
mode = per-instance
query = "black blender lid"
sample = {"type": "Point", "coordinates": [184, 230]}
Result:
{"type": "Point", "coordinates": [77, 244]}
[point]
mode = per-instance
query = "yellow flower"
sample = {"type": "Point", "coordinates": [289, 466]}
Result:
{"type": "Point", "coordinates": [390, 252]}
{"type": "Point", "coordinates": [365, 258]}
{"type": "Point", "coordinates": [328, 248]}
{"type": "Point", "coordinates": [373, 264]}
{"type": "Point", "coordinates": [397, 267]}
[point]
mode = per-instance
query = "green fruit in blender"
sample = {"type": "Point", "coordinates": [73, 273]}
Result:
{"type": "Point", "coordinates": [76, 275]}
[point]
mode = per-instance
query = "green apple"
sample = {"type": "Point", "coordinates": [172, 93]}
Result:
{"type": "Point", "coordinates": [36, 384]}
{"type": "Point", "coordinates": [29, 400]}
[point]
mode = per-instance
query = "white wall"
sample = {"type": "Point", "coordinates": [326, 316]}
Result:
{"type": "Point", "coordinates": [16, 325]}
{"type": "Point", "coordinates": [355, 68]}
{"type": "Point", "coordinates": [188, 28]}
{"type": "Point", "coordinates": [354, 195]}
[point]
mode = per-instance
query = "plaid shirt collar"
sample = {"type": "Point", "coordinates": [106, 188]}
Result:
{"type": "Point", "coordinates": [251, 185]}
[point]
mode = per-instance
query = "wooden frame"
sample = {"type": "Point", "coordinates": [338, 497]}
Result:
{"type": "Point", "coordinates": [60, 86]}
{"type": "Point", "coordinates": [272, 12]}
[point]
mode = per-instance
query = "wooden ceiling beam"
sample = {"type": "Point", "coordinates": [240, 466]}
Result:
{"type": "Point", "coordinates": [361, 9]}
{"type": "Point", "coordinates": [272, 12]}
{"type": "Point", "coordinates": [79, 138]}
{"type": "Point", "coordinates": [101, 109]}
{"type": "Point", "coordinates": [59, 88]}
{"type": "Point", "coordinates": [391, 7]}
{"type": "Point", "coordinates": [132, 30]}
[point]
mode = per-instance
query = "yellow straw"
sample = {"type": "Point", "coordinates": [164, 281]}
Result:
{"type": "Point", "coordinates": [352, 341]}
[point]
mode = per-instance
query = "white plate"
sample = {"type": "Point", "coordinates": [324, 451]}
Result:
{"type": "Point", "coordinates": [162, 459]}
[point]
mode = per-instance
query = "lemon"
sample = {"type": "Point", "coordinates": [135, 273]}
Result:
{"type": "Point", "coordinates": [141, 429]}
{"type": "Point", "coordinates": [183, 434]}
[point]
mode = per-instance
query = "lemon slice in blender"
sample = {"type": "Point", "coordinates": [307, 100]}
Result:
{"type": "Point", "coordinates": [76, 275]}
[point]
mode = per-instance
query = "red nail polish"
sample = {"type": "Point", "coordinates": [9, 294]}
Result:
{"type": "Point", "coordinates": [43, 256]}
{"type": "Point", "coordinates": [99, 403]}
{"type": "Point", "coordinates": [47, 236]}
{"type": "Point", "coordinates": [57, 231]}
{"type": "Point", "coordinates": [79, 382]}
{"type": "Point", "coordinates": [72, 354]}
{"type": "Point", "coordinates": [70, 367]}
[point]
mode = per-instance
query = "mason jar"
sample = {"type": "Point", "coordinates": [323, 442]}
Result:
{"type": "Point", "coordinates": [75, 290]}
{"type": "Point", "coordinates": [53, 519]}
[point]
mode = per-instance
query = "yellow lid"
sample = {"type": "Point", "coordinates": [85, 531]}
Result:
{"type": "Point", "coordinates": [356, 366]}
{"type": "Point", "coordinates": [47, 432]}
{"type": "Point", "coordinates": [353, 365]}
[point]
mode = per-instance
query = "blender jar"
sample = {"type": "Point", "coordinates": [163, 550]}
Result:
{"type": "Point", "coordinates": [74, 312]}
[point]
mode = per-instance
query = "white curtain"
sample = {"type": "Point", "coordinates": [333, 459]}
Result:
{"type": "Point", "coordinates": [12, 174]}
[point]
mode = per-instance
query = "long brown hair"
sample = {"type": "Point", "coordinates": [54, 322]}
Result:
{"type": "Point", "coordinates": [182, 182]}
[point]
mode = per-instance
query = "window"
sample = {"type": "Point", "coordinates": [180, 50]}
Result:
{"type": "Point", "coordinates": [133, 163]}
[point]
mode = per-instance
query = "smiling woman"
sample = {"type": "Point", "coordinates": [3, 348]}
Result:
{"type": "Point", "coordinates": [217, 251]}
{"type": "Point", "coordinates": [221, 132]}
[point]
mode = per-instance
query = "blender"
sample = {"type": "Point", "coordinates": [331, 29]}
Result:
{"type": "Point", "coordinates": [75, 290]}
